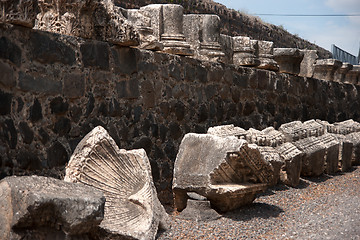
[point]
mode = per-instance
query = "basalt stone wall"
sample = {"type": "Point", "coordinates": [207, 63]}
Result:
{"type": "Point", "coordinates": [235, 23]}
{"type": "Point", "coordinates": [56, 88]}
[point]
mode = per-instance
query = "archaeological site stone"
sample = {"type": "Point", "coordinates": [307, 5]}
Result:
{"type": "Point", "coordinates": [93, 19]}
{"type": "Point", "coordinates": [228, 130]}
{"type": "Point", "coordinates": [267, 137]}
{"type": "Point", "coordinates": [353, 76]}
{"type": "Point", "coordinates": [199, 210]}
{"type": "Point", "coordinates": [272, 156]}
{"type": "Point", "coordinates": [346, 149]}
{"type": "Point", "coordinates": [340, 74]}
{"type": "Point", "coordinates": [33, 207]}
{"type": "Point", "coordinates": [19, 12]}
{"type": "Point", "coordinates": [313, 128]}
{"type": "Point", "coordinates": [354, 138]}
{"type": "Point", "coordinates": [324, 69]}
{"type": "Point", "coordinates": [266, 56]}
{"type": "Point", "coordinates": [332, 146]}
{"type": "Point", "coordinates": [346, 127]}
{"type": "Point", "coordinates": [226, 170]}
{"type": "Point", "coordinates": [307, 64]}
{"type": "Point", "coordinates": [227, 47]}
{"type": "Point", "coordinates": [290, 171]}
{"type": "Point", "coordinates": [293, 131]}
{"type": "Point", "coordinates": [244, 52]}
{"type": "Point", "coordinates": [314, 159]}
{"type": "Point", "coordinates": [202, 31]}
{"type": "Point", "coordinates": [289, 60]}
{"type": "Point", "coordinates": [132, 208]}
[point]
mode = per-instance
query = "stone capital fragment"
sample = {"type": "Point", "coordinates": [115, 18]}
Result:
{"type": "Point", "coordinates": [324, 69]}
{"type": "Point", "coordinates": [244, 52]}
{"type": "Point", "coordinates": [227, 48]}
{"type": "Point", "coordinates": [354, 138]}
{"type": "Point", "coordinates": [225, 170]}
{"type": "Point", "coordinates": [227, 131]}
{"type": "Point", "coordinates": [19, 12]}
{"type": "Point", "coordinates": [353, 75]}
{"type": "Point", "coordinates": [340, 74]}
{"type": "Point", "coordinates": [345, 151]}
{"type": "Point", "coordinates": [267, 137]}
{"type": "Point", "coordinates": [34, 207]}
{"type": "Point", "coordinates": [266, 56]}
{"type": "Point", "coordinates": [132, 209]}
{"type": "Point", "coordinates": [289, 60]}
{"type": "Point", "coordinates": [313, 128]}
{"type": "Point", "coordinates": [293, 131]}
{"type": "Point", "coordinates": [332, 146]}
{"type": "Point", "coordinates": [307, 63]}
{"type": "Point", "coordinates": [202, 31]}
{"type": "Point", "coordinates": [273, 157]}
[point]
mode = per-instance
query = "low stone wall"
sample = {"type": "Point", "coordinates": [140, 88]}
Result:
{"type": "Point", "coordinates": [55, 89]}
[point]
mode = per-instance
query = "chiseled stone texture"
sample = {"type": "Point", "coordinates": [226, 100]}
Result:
{"type": "Point", "coordinates": [34, 207]}
{"type": "Point", "coordinates": [19, 12]}
{"type": "Point", "coordinates": [289, 59]}
{"type": "Point", "coordinates": [324, 69]}
{"type": "Point", "coordinates": [307, 63]}
{"type": "Point", "coordinates": [354, 138]}
{"type": "Point", "coordinates": [145, 99]}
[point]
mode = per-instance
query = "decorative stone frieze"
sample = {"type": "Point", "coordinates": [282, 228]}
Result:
{"type": "Point", "coordinates": [313, 128]}
{"type": "Point", "coordinates": [227, 131]}
{"type": "Point", "coordinates": [227, 47]}
{"type": "Point", "coordinates": [272, 156]}
{"type": "Point", "coordinates": [244, 52]}
{"type": "Point", "coordinates": [313, 163]}
{"type": "Point", "coordinates": [132, 209]}
{"type": "Point", "coordinates": [94, 19]}
{"type": "Point", "coordinates": [293, 157]}
{"type": "Point", "coordinates": [353, 75]}
{"type": "Point", "coordinates": [332, 153]}
{"type": "Point", "coordinates": [289, 60]}
{"type": "Point", "coordinates": [267, 137]}
{"type": "Point", "coordinates": [203, 33]}
{"type": "Point", "coordinates": [293, 131]}
{"type": "Point", "coordinates": [345, 151]}
{"type": "Point", "coordinates": [225, 170]}
{"type": "Point", "coordinates": [19, 12]}
{"type": "Point", "coordinates": [354, 138]}
{"type": "Point", "coordinates": [266, 56]}
{"type": "Point", "coordinates": [307, 64]}
{"type": "Point", "coordinates": [324, 69]}
{"type": "Point", "coordinates": [340, 74]}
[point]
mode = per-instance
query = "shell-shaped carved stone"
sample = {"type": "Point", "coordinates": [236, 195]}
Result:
{"type": "Point", "coordinates": [131, 208]}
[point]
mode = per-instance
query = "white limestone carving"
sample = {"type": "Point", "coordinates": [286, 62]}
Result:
{"type": "Point", "coordinates": [244, 52]}
{"type": "Point", "coordinates": [19, 12]}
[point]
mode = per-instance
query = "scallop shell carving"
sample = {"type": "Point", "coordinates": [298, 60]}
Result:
{"type": "Point", "coordinates": [125, 179]}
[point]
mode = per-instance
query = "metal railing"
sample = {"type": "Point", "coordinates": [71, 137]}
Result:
{"type": "Point", "coordinates": [344, 56]}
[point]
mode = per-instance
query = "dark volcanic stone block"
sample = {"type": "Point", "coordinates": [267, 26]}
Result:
{"type": "Point", "coordinates": [124, 59]}
{"type": "Point", "coordinates": [62, 126]}
{"type": "Point", "coordinates": [48, 51]}
{"type": "Point", "coordinates": [39, 84]}
{"type": "Point", "coordinates": [128, 89]}
{"type": "Point", "coordinates": [57, 155]}
{"type": "Point", "coordinates": [5, 103]}
{"type": "Point", "coordinates": [58, 106]}
{"type": "Point", "coordinates": [28, 160]}
{"type": "Point", "coordinates": [26, 133]}
{"type": "Point", "coordinates": [8, 132]}
{"type": "Point", "coordinates": [36, 111]}
{"type": "Point", "coordinates": [10, 51]}
{"type": "Point", "coordinates": [95, 55]}
{"type": "Point", "coordinates": [7, 77]}
{"type": "Point", "coordinates": [74, 85]}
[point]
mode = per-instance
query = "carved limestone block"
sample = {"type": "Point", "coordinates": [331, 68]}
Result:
{"type": "Point", "coordinates": [227, 131]}
{"type": "Point", "coordinates": [226, 170]}
{"type": "Point", "coordinates": [93, 19]}
{"type": "Point", "coordinates": [293, 131]}
{"type": "Point", "coordinates": [289, 60]}
{"type": "Point", "coordinates": [132, 208]}
{"type": "Point", "coordinates": [354, 138]}
{"type": "Point", "coordinates": [266, 56]}
{"type": "Point", "coordinates": [34, 207]}
{"type": "Point", "coordinates": [202, 31]}
{"type": "Point", "coordinates": [290, 171]}
{"type": "Point", "coordinates": [307, 64]}
{"type": "Point", "coordinates": [324, 69]}
{"type": "Point", "coordinates": [340, 74]}
{"type": "Point", "coordinates": [267, 137]}
{"type": "Point", "coordinates": [227, 48]}
{"type": "Point", "coordinates": [19, 12]}
{"type": "Point", "coordinates": [244, 52]}
{"type": "Point", "coordinates": [270, 155]}
{"type": "Point", "coordinates": [345, 152]}
{"type": "Point", "coordinates": [332, 153]}
{"type": "Point", "coordinates": [314, 159]}
{"type": "Point", "coordinates": [313, 128]}
{"type": "Point", "coordinates": [353, 76]}
{"type": "Point", "coordinates": [347, 126]}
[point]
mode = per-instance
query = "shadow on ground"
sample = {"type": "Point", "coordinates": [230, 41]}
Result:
{"type": "Point", "coordinates": [254, 210]}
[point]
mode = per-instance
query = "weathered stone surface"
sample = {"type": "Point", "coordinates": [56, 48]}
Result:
{"type": "Point", "coordinates": [202, 31]}
{"type": "Point", "coordinates": [94, 19]}
{"type": "Point", "coordinates": [290, 171]}
{"type": "Point", "coordinates": [354, 138]}
{"type": "Point", "coordinates": [289, 60]}
{"type": "Point", "coordinates": [353, 75]}
{"type": "Point", "coordinates": [332, 153]}
{"type": "Point", "coordinates": [46, 208]}
{"type": "Point", "coordinates": [132, 208]}
{"type": "Point", "coordinates": [307, 64]}
{"type": "Point", "coordinates": [324, 69]}
{"type": "Point", "coordinates": [270, 155]}
{"type": "Point", "coordinates": [5, 106]}
{"type": "Point", "coordinates": [313, 128]}
{"type": "Point", "coordinates": [226, 170]}
{"type": "Point", "coordinates": [199, 210]}
{"type": "Point", "coordinates": [346, 127]}
{"type": "Point", "coordinates": [267, 137]}
{"type": "Point", "coordinates": [95, 55]}
{"type": "Point", "coordinates": [266, 56]}
{"type": "Point", "coordinates": [340, 74]}
{"type": "Point", "coordinates": [7, 77]}
{"type": "Point", "coordinates": [227, 130]}
{"type": "Point", "coordinates": [74, 85]}
{"type": "Point", "coordinates": [19, 12]}
{"type": "Point", "coordinates": [226, 43]}
{"type": "Point", "coordinates": [36, 111]}
{"type": "Point", "coordinates": [39, 84]}
{"type": "Point", "coordinates": [313, 163]}
{"type": "Point", "coordinates": [244, 52]}
{"type": "Point", "coordinates": [10, 51]}
{"type": "Point", "coordinates": [57, 155]}
{"type": "Point", "coordinates": [345, 151]}
{"type": "Point", "coordinates": [293, 131]}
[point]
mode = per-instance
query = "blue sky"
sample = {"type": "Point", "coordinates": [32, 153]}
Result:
{"type": "Point", "coordinates": [323, 31]}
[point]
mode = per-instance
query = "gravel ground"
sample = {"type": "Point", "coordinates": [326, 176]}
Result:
{"type": "Point", "coordinates": [327, 207]}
